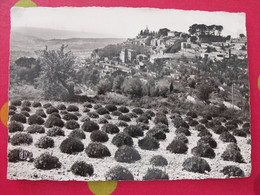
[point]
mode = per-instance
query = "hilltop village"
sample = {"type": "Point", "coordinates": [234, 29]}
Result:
{"type": "Point", "coordinates": [164, 46]}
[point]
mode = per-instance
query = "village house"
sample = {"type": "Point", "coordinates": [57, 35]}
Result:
{"type": "Point", "coordinates": [127, 55]}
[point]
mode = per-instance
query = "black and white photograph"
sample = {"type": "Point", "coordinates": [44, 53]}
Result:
{"type": "Point", "coordinates": [98, 94]}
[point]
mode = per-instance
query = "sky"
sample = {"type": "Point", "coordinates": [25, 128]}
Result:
{"type": "Point", "coordinates": [123, 22]}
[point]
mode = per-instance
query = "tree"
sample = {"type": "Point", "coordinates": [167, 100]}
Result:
{"type": "Point", "coordinates": [204, 91]}
{"type": "Point", "coordinates": [57, 73]}
{"type": "Point", "coordinates": [219, 28]}
{"type": "Point", "coordinates": [242, 35]}
{"type": "Point", "coordinates": [104, 86]}
{"type": "Point", "coordinates": [171, 87]}
{"type": "Point", "coordinates": [133, 87]}
{"type": "Point", "coordinates": [193, 39]}
{"type": "Point", "coordinates": [117, 83]}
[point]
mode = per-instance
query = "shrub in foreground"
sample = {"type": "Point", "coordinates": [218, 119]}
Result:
{"type": "Point", "coordinates": [232, 171]}
{"type": "Point", "coordinates": [203, 150]}
{"type": "Point", "coordinates": [90, 126]}
{"type": "Point", "coordinates": [133, 131]}
{"type": "Point", "coordinates": [232, 155]}
{"type": "Point", "coordinates": [55, 131]}
{"type": "Point", "coordinates": [99, 136]}
{"type": "Point", "coordinates": [35, 119]}
{"type": "Point", "coordinates": [118, 173]}
{"type": "Point", "coordinates": [71, 124]}
{"type": "Point", "coordinates": [207, 140]}
{"type": "Point", "coordinates": [53, 121]}
{"type": "Point", "coordinates": [35, 129]}
{"type": "Point", "coordinates": [14, 126]}
{"type": "Point", "coordinates": [41, 113]}
{"type": "Point", "coordinates": [45, 142]}
{"type": "Point", "coordinates": [159, 160]}
{"type": "Point", "coordinates": [182, 137]}
{"type": "Point", "coordinates": [196, 165]}
{"type": "Point", "coordinates": [122, 138]}
{"type": "Point", "coordinates": [47, 162]}
{"type": "Point", "coordinates": [110, 128]}
{"type": "Point", "coordinates": [157, 134]}
{"type": "Point", "coordinates": [148, 143]}
{"type": "Point", "coordinates": [18, 118]}
{"type": "Point", "coordinates": [178, 147]}
{"type": "Point", "coordinates": [82, 168]}
{"type": "Point", "coordinates": [19, 154]}
{"type": "Point", "coordinates": [72, 108]}
{"type": "Point", "coordinates": [77, 133]}
{"type": "Point", "coordinates": [155, 174]}
{"type": "Point", "coordinates": [70, 116]}
{"type": "Point", "coordinates": [127, 154]}
{"type": "Point", "coordinates": [71, 145]}
{"type": "Point", "coordinates": [97, 150]}
{"type": "Point", "coordinates": [21, 138]}
{"type": "Point", "coordinates": [227, 137]}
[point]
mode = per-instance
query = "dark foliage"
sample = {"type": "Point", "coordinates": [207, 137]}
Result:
{"type": "Point", "coordinates": [127, 154]}
{"type": "Point", "coordinates": [204, 132]}
{"type": "Point", "coordinates": [158, 160]}
{"type": "Point", "coordinates": [97, 150]}
{"type": "Point", "coordinates": [14, 126]}
{"type": "Point", "coordinates": [45, 142]}
{"type": "Point", "coordinates": [47, 105]}
{"type": "Point", "coordinates": [19, 154]}
{"type": "Point", "coordinates": [183, 130]}
{"type": "Point", "coordinates": [219, 129]}
{"type": "Point", "coordinates": [203, 150]}
{"type": "Point", "coordinates": [137, 111]}
{"type": "Point", "coordinates": [207, 140]}
{"type": "Point", "coordinates": [134, 131]}
{"type": "Point", "coordinates": [93, 115]}
{"type": "Point", "coordinates": [51, 110]}
{"type": "Point", "coordinates": [72, 108]}
{"type": "Point", "coordinates": [102, 111]}
{"type": "Point", "coordinates": [41, 113]}
{"type": "Point", "coordinates": [192, 114]}
{"type": "Point", "coordinates": [162, 127]}
{"type": "Point", "coordinates": [178, 147]}
{"type": "Point", "coordinates": [239, 133]}
{"type": "Point", "coordinates": [97, 106]}
{"type": "Point", "coordinates": [158, 134]}
{"type": "Point", "coordinates": [99, 136]}
{"type": "Point", "coordinates": [182, 137]}
{"type": "Point", "coordinates": [142, 119]}
{"type": "Point", "coordinates": [111, 107]}
{"type": "Point", "coordinates": [227, 137]}
{"type": "Point", "coordinates": [124, 118]}
{"type": "Point", "coordinates": [26, 103]}
{"type": "Point", "coordinates": [61, 107]}
{"type": "Point", "coordinates": [116, 113]}
{"type": "Point", "coordinates": [71, 146]}
{"type": "Point", "coordinates": [123, 109]}
{"type": "Point", "coordinates": [53, 121]}
{"type": "Point", "coordinates": [155, 174]}
{"type": "Point", "coordinates": [70, 116]}
{"type": "Point", "coordinates": [21, 138]}
{"type": "Point", "coordinates": [122, 139]}
{"type": "Point", "coordinates": [71, 124]}
{"type": "Point", "coordinates": [35, 119]}
{"type": "Point", "coordinates": [102, 121]}
{"type": "Point", "coordinates": [196, 165]}
{"type": "Point", "coordinates": [47, 162]}
{"type": "Point", "coordinates": [200, 127]}
{"type": "Point", "coordinates": [35, 129]}
{"type": "Point", "coordinates": [118, 173]}
{"type": "Point", "coordinates": [148, 143]}
{"type": "Point", "coordinates": [26, 108]}
{"type": "Point", "coordinates": [122, 124]}
{"type": "Point", "coordinates": [161, 119]}
{"type": "Point", "coordinates": [90, 126]}
{"type": "Point", "coordinates": [77, 133]}
{"type": "Point", "coordinates": [231, 154]}
{"type": "Point", "coordinates": [110, 128]}
{"type": "Point", "coordinates": [55, 131]}
{"type": "Point", "coordinates": [16, 102]}
{"type": "Point", "coordinates": [82, 168]}
{"type": "Point", "coordinates": [233, 171]}
{"type": "Point", "coordinates": [19, 118]}
{"type": "Point", "coordinates": [87, 105]}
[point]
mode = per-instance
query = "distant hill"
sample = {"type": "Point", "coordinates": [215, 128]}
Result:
{"type": "Point", "coordinates": [44, 33]}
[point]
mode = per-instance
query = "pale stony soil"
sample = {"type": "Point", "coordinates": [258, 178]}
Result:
{"type": "Point", "coordinates": [26, 170]}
